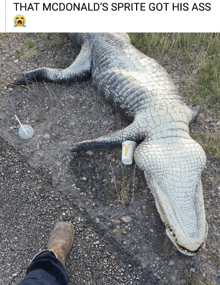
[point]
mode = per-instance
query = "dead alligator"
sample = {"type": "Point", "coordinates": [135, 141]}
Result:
{"type": "Point", "coordinates": [171, 160]}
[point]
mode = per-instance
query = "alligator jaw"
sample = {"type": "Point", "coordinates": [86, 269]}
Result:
{"type": "Point", "coordinates": [174, 230]}
{"type": "Point", "coordinates": [182, 249]}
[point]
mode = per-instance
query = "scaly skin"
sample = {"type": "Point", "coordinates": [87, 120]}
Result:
{"type": "Point", "coordinates": [171, 160]}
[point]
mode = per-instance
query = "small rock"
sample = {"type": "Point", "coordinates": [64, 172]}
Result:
{"type": "Point", "coordinates": [117, 222]}
{"type": "Point", "coordinates": [84, 178]}
{"type": "Point", "coordinates": [47, 136]}
{"type": "Point", "coordinates": [115, 231]}
{"type": "Point", "coordinates": [200, 118]}
{"type": "Point", "coordinates": [97, 220]}
{"type": "Point", "coordinates": [16, 61]}
{"type": "Point", "coordinates": [126, 219]}
{"type": "Point", "coordinates": [171, 262]}
{"type": "Point", "coordinates": [89, 152]}
{"type": "Point", "coordinates": [10, 89]}
{"type": "Point", "coordinates": [194, 72]}
{"type": "Point", "coordinates": [58, 163]}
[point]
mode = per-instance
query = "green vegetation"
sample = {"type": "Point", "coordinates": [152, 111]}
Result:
{"type": "Point", "coordinates": [40, 36]}
{"type": "Point", "coordinates": [210, 141]}
{"type": "Point", "coordinates": [31, 43]}
{"type": "Point", "coordinates": [57, 39]}
{"type": "Point", "coordinates": [195, 280]}
{"type": "Point", "coordinates": [202, 52]}
{"type": "Point", "coordinates": [19, 52]}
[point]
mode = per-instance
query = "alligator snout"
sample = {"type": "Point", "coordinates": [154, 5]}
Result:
{"type": "Point", "coordinates": [173, 174]}
{"type": "Point", "coordinates": [186, 245]}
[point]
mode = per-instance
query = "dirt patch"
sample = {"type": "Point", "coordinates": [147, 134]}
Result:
{"type": "Point", "coordinates": [113, 197]}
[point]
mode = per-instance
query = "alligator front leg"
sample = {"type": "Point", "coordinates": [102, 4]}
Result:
{"type": "Point", "coordinates": [79, 70]}
{"type": "Point", "coordinates": [116, 138]}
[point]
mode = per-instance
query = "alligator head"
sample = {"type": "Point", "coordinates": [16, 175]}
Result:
{"type": "Point", "coordinates": [173, 168]}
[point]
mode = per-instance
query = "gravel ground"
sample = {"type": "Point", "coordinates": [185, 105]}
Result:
{"type": "Point", "coordinates": [120, 238]}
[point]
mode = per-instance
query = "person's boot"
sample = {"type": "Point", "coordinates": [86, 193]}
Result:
{"type": "Point", "coordinates": [61, 240]}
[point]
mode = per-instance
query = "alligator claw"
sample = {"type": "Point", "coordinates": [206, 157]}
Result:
{"type": "Point", "coordinates": [28, 77]}
{"type": "Point", "coordinates": [21, 81]}
{"type": "Point", "coordinates": [75, 148]}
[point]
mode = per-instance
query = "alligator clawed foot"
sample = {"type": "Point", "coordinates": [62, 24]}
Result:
{"type": "Point", "coordinates": [21, 81]}
{"type": "Point", "coordinates": [76, 148]}
{"type": "Point", "coordinates": [26, 78]}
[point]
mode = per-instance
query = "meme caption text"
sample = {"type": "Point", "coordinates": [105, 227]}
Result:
{"type": "Point", "coordinates": [114, 6]}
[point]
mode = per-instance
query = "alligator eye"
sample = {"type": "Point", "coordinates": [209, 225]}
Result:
{"type": "Point", "coordinates": [22, 18]}
{"type": "Point", "coordinates": [17, 18]}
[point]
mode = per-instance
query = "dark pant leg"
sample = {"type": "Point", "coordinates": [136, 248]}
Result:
{"type": "Point", "coordinates": [46, 269]}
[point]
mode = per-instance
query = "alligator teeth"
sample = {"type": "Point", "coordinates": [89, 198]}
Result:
{"type": "Point", "coordinates": [181, 248]}
{"type": "Point", "coordinates": [172, 233]}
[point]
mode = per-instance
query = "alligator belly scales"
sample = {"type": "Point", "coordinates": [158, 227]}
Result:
{"type": "Point", "coordinates": [171, 160]}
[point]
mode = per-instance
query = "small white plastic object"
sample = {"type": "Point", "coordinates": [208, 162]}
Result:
{"type": "Point", "coordinates": [25, 131]}
{"type": "Point", "coordinates": [128, 152]}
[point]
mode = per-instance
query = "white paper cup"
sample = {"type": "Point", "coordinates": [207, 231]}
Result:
{"type": "Point", "coordinates": [128, 152]}
{"type": "Point", "coordinates": [25, 132]}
